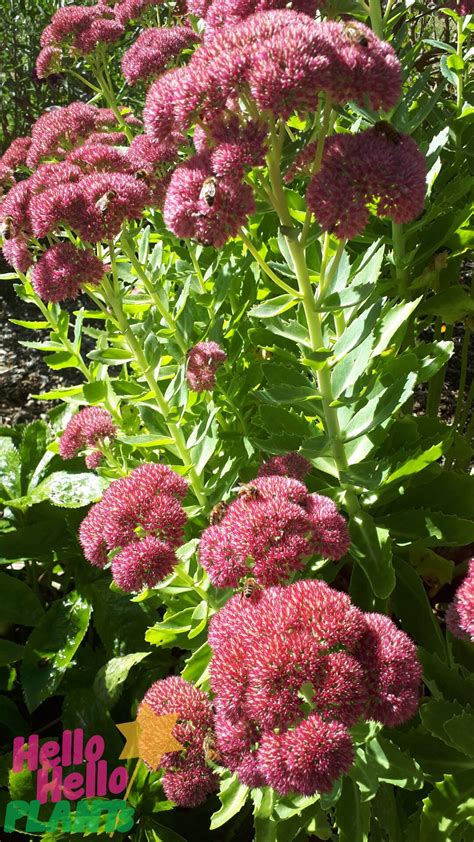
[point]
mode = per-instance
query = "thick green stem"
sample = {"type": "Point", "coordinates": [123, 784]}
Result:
{"type": "Point", "coordinates": [196, 267]}
{"type": "Point", "coordinates": [376, 20]}
{"type": "Point", "coordinates": [460, 74]}
{"type": "Point", "coordinates": [264, 265]}
{"type": "Point", "coordinates": [174, 430]}
{"type": "Point", "coordinates": [398, 242]}
{"type": "Point", "coordinates": [129, 251]}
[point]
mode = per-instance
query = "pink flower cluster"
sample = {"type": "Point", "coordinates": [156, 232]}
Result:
{"type": "Point", "coordinates": [63, 270]}
{"type": "Point", "coordinates": [222, 13]}
{"type": "Point", "coordinates": [188, 780]}
{"type": "Point", "coordinates": [81, 28]}
{"type": "Point", "coordinates": [379, 168]}
{"type": "Point", "coordinates": [204, 207]}
{"type": "Point", "coordinates": [87, 429]}
{"type": "Point", "coordinates": [460, 614]}
{"type": "Point", "coordinates": [293, 669]}
{"type": "Point", "coordinates": [286, 60]}
{"type": "Point", "coordinates": [287, 465]}
{"type": "Point", "coordinates": [203, 361]}
{"type": "Point", "coordinates": [153, 50]}
{"type": "Point", "coordinates": [269, 531]}
{"type": "Point", "coordinates": [141, 521]}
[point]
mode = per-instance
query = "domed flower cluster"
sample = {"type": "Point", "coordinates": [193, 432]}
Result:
{"type": "Point", "coordinates": [204, 207]}
{"type": "Point", "coordinates": [270, 530]}
{"type": "Point", "coordinates": [140, 522]}
{"type": "Point", "coordinates": [63, 270]}
{"type": "Point", "coordinates": [293, 668]}
{"type": "Point", "coordinates": [460, 614]}
{"type": "Point", "coordinates": [188, 780]}
{"type": "Point", "coordinates": [230, 12]}
{"type": "Point", "coordinates": [88, 429]}
{"type": "Point", "coordinates": [203, 361]}
{"type": "Point", "coordinates": [378, 168]}
{"type": "Point", "coordinates": [153, 50]}
{"type": "Point", "coordinates": [89, 184]}
{"type": "Point", "coordinates": [287, 465]}
{"type": "Point", "coordinates": [81, 29]}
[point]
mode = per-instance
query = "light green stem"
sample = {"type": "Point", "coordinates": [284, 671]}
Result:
{"type": "Point", "coordinates": [129, 251]}
{"type": "Point", "coordinates": [174, 430]}
{"type": "Point", "coordinates": [460, 74]}
{"type": "Point", "coordinates": [376, 20]}
{"type": "Point", "coordinates": [398, 242]}
{"type": "Point", "coordinates": [196, 266]}
{"type": "Point", "coordinates": [264, 265]}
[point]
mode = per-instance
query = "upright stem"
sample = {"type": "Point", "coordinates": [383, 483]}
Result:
{"type": "Point", "coordinates": [129, 251]}
{"type": "Point", "coordinates": [136, 349]}
{"type": "Point", "coordinates": [376, 20]}
{"type": "Point", "coordinates": [398, 241]}
{"type": "Point", "coordinates": [264, 265]}
{"type": "Point", "coordinates": [196, 267]}
{"type": "Point", "coordinates": [460, 74]}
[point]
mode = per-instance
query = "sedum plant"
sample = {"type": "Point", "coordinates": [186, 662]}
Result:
{"type": "Point", "coordinates": [249, 240]}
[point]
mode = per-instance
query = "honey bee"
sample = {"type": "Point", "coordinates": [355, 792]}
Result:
{"type": "Point", "coordinates": [142, 174]}
{"type": "Point", "coordinates": [355, 35]}
{"type": "Point", "coordinates": [7, 231]}
{"type": "Point", "coordinates": [388, 131]}
{"type": "Point", "coordinates": [208, 190]}
{"type": "Point", "coordinates": [250, 587]}
{"type": "Point", "coordinates": [211, 752]}
{"type": "Point", "coordinates": [103, 203]}
{"type": "Point", "coordinates": [248, 492]}
{"type": "Point", "coordinates": [217, 513]}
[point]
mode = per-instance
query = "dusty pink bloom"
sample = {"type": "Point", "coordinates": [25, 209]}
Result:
{"type": "Point", "coordinates": [91, 537]}
{"type": "Point", "coordinates": [204, 207]}
{"type": "Point", "coordinates": [375, 167]}
{"type": "Point", "coordinates": [87, 429]}
{"type": "Point", "coordinates": [95, 207]}
{"type": "Point", "coordinates": [15, 208]}
{"type": "Point", "coordinates": [237, 742]}
{"type": "Point", "coordinates": [203, 361]}
{"type": "Point", "coordinates": [230, 12]}
{"type": "Point", "coordinates": [153, 50]}
{"type": "Point", "coordinates": [393, 671]}
{"type": "Point", "coordinates": [287, 465]}
{"type": "Point", "coordinates": [48, 62]}
{"type": "Point", "coordinates": [307, 759]}
{"type": "Point", "coordinates": [460, 614]}
{"type": "Point", "coordinates": [127, 10]}
{"type": "Point", "coordinates": [55, 132]}
{"type": "Point", "coordinates": [17, 254]}
{"type": "Point", "coordinates": [232, 147]}
{"type": "Point", "coordinates": [302, 163]}
{"type": "Point", "coordinates": [198, 7]}
{"type": "Point", "coordinates": [330, 533]}
{"type": "Point", "coordinates": [340, 688]}
{"type": "Point", "coordinates": [272, 528]}
{"type": "Point", "coordinates": [51, 175]}
{"type": "Point", "coordinates": [140, 515]}
{"type": "Point", "coordinates": [190, 787]}
{"type": "Point", "coordinates": [172, 101]}
{"type": "Point", "coordinates": [145, 152]}
{"type": "Point", "coordinates": [107, 138]}
{"type": "Point", "coordinates": [142, 564]}
{"type": "Point", "coordinates": [82, 27]}
{"type": "Point", "coordinates": [16, 153]}
{"type": "Point", "coordinates": [62, 271]}
{"type": "Point", "coordinates": [6, 178]}
{"type": "Point", "coordinates": [187, 780]}
{"type": "Point", "coordinates": [99, 157]}
{"type": "Point", "coordinates": [463, 7]}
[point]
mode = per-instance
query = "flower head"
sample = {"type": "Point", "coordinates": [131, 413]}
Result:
{"type": "Point", "coordinates": [288, 465]}
{"type": "Point", "coordinates": [270, 531]}
{"type": "Point", "coordinates": [379, 168]}
{"type": "Point", "coordinates": [48, 62]}
{"type": "Point", "coordinates": [307, 759]}
{"type": "Point", "coordinates": [204, 207]}
{"type": "Point", "coordinates": [55, 132]}
{"type": "Point", "coordinates": [17, 253]}
{"type": "Point", "coordinates": [230, 146]}
{"type": "Point", "coordinates": [127, 10]}
{"type": "Point", "coordinates": [460, 614]}
{"type": "Point", "coordinates": [230, 12]}
{"type": "Point", "coordinates": [393, 671]}
{"type": "Point", "coordinates": [82, 28]}
{"type": "Point", "coordinates": [15, 155]}
{"type": "Point", "coordinates": [87, 429]}
{"type": "Point", "coordinates": [143, 563]}
{"type": "Point", "coordinates": [292, 670]}
{"type": "Point", "coordinates": [141, 516]}
{"type": "Point", "coordinates": [187, 780]}
{"type": "Point", "coordinates": [62, 271]}
{"type": "Point", "coordinates": [153, 50]}
{"type": "Point", "coordinates": [203, 361]}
